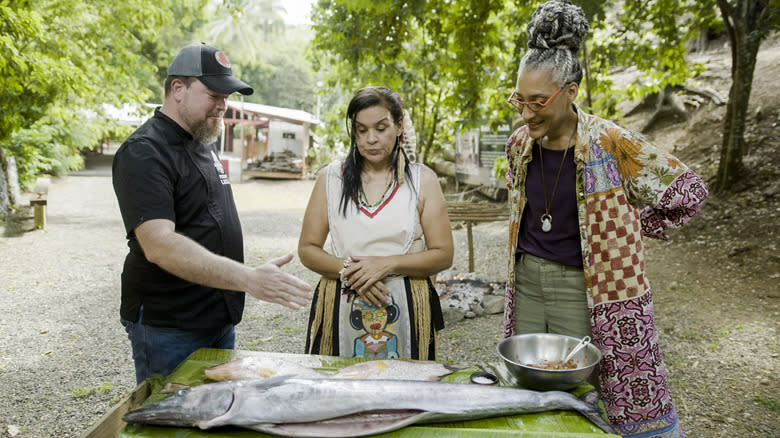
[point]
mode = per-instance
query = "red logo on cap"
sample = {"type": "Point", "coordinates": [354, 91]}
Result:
{"type": "Point", "coordinates": [222, 59]}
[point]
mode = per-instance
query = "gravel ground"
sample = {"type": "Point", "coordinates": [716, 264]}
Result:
{"type": "Point", "coordinates": [65, 360]}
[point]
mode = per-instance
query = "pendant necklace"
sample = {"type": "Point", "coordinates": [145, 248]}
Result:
{"type": "Point", "coordinates": [547, 217]}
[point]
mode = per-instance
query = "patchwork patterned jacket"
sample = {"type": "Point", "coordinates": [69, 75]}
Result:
{"type": "Point", "coordinates": [626, 189]}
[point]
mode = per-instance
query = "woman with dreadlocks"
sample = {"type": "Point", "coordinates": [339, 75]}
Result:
{"type": "Point", "coordinates": [584, 192]}
{"type": "Point", "coordinates": [389, 231]}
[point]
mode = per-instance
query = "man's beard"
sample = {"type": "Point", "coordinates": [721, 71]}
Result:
{"type": "Point", "coordinates": [205, 130]}
{"type": "Point", "coordinates": [206, 133]}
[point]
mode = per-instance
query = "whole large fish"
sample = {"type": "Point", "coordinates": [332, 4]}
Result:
{"type": "Point", "coordinates": [256, 367]}
{"type": "Point", "coordinates": [300, 407]}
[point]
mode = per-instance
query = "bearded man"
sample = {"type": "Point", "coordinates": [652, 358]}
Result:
{"type": "Point", "coordinates": [184, 280]}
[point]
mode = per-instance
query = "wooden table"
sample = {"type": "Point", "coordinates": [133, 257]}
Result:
{"type": "Point", "coordinates": [559, 424]}
{"type": "Point", "coordinates": [471, 212]}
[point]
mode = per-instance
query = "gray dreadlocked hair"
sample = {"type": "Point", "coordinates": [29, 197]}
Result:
{"type": "Point", "coordinates": [555, 33]}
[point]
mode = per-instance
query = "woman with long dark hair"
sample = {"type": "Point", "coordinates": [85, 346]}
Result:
{"type": "Point", "coordinates": [389, 232]}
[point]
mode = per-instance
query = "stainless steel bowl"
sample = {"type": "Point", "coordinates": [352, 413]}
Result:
{"type": "Point", "coordinates": [520, 350]}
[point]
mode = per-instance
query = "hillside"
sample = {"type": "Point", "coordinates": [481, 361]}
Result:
{"type": "Point", "coordinates": [719, 276]}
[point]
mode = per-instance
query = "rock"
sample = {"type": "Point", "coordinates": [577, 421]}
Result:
{"type": "Point", "coordinates": [498, 289]}
{"type": "Point", "coordinates": [740, 250]}
{"type": "Point", "coordinates": [719, 418]}
{"type": "Point", "coordinates": [443, 167]}
{"type": "Point", "coordinates": [4, 201]}
{"type": "Point", "coordinates": [13, 430]}
{"type": "Point", "coordinates": [493, 304]}
{"type": "Point", "coordinates": [14, 190]}
{"type": "Point", "coordinates": [473, 295]}
{"type": "Point", "coordinates": [772, 191]}
{"type": "Point", "coordinates": [452, 315]}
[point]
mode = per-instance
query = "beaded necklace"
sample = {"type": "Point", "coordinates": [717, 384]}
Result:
{"type": "Point", "coordinates": [364, 200]}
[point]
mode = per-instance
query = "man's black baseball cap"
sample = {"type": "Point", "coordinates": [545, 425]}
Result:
{"type": "Point", "coordinates": [211, 66]}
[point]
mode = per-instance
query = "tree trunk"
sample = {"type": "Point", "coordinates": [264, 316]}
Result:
{"type": "Point", "coordinates": [427, 149]}
{"type": "Point", "coordinates": [666, 102]}
{"type": "Point", "coordinates": [744, 25]}
{"type": "Point", "coordinates": [588, 99]}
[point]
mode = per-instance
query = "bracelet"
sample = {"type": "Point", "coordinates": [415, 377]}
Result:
{"type": "Point", "coordinates": [346, 262]}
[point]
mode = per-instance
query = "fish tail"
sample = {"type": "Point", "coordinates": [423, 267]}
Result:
{"type": "Point", "coordinates": [592, 411]}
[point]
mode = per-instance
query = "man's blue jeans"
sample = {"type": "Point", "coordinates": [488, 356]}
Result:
{"type": "Point", "coordinates": [160, 349]}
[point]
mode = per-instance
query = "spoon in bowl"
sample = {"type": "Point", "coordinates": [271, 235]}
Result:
{"type": "Point", "coordinates": [583, 342]}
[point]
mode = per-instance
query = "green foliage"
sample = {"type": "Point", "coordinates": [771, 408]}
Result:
{"type": "Point", "coordinates": [454, 62]}
{"type": "Point", "coordinates": [282, 77]}
{"type": "Point", "coordinates": [770, 403]}
{"type": "Point", "coordinates": [23, 86]}
{"type": "Point", "coordinates": [63, 59]}
{"type": "Point", "coordinates": [184, 21]}
{"type": "Point", "coordinates": [265, 53]}
{"type": "Point", "coordinates": [500, 166]}
{"type": "Point", "coordinates": [646, 36]}
{"type": "Point", "coordinates": [104, 388]}
{"type": "Point", "coordinates": [49, 146]}
{"type": "Point", "coordinates": [246, 27]}
{"type": "Point", "coordinates": [445, 58]}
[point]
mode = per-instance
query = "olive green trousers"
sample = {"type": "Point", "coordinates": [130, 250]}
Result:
{"type": "Point", "coordinates": [550, 298]}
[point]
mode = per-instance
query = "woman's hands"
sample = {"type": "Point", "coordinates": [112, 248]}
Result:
{"type": "Point", "coordinates": [364, 275]}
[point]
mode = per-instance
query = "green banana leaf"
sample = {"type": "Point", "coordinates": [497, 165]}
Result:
{"type": "Point", "coordinates": [552, 424]}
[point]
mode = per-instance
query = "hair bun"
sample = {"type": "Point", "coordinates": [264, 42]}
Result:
{"type": "Point", "coordinates": [557, 25]}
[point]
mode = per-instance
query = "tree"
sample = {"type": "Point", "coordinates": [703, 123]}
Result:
{"type": "Point", "coordinates": [60, 58]}
{"type": "Point", "coordinates": [265, 54]}
{"type": "Point", "coordinates": [646, 36]}
{"type": "Point", "coordinates": [455, 62]}
{"type": "Point", "coordinates": [446, 59]}
{"type": "Point", "coordinates": [748, 23]}
{"type": "Point", "coordinates": [246, 27]}
{"type": "Point", "coordinates": [63, 59]}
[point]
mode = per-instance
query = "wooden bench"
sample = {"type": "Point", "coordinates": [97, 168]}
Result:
{"type": "Point", "coordinates": [39, 202]}
{"type": "Point", "coordinates": [471, 212]}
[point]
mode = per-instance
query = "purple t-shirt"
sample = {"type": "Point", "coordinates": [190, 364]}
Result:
{"type": "Point", "coordinates": [562, 243]}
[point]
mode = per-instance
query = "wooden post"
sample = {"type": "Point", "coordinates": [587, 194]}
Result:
{"type": "Point", "coordinates": [39, 212]}
{"type": "Point", "coordinates": [471, 245]}
{"type": "Point", "coordinates": [471, 212]}
{"type": "Point", "coordinates": [39, 203]}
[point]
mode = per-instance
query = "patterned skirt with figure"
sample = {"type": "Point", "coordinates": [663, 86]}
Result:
{"type": "Point", "coordinates": [341, 323]}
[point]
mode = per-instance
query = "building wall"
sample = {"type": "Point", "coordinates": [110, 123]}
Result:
{"type": "Point", "coordinates": [285, 136]}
